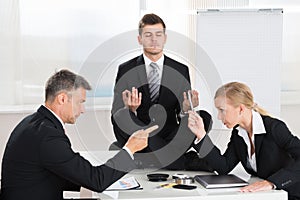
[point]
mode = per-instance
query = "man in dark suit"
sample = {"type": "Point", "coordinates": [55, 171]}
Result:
{"type": "Point", "coordinates": [152, 88]}
{"type": "Point", "coordinates": [38, 161]}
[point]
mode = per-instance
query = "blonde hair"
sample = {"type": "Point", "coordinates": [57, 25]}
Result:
{"type": "Point", "coordinates": [239, 93]}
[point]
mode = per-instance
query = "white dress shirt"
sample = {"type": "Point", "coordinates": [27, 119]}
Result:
{"type": "Point", "coordinates": [159, 62]}
{"type": "Point", "coordinates": [258, 128]}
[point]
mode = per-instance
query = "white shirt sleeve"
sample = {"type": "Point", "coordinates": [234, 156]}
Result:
{"type": "Point", "coordinates": [129, 152]}
{"type": "Point", "coordinates": [197, 140]}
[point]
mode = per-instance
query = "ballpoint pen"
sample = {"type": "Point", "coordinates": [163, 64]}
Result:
{"type": "Point", "coordinates": [190, 100]}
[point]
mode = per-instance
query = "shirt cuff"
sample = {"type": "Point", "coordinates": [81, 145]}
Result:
{"type": "Point", "coordinates": [135, 113]}
{"type": "Point", "coordinates": [197, 141]}
{"type": "Point", "coordinates": [182, 114]}
{"type": "Point", "coordinates": [129, 152]}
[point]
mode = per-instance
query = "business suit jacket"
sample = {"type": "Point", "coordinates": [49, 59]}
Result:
{"type": "Point", "coordinates": [165, 112]}
{"type": "Point", "coordinates": [39, 163]}
{"type": "Point", "coordinates": [277, 156]}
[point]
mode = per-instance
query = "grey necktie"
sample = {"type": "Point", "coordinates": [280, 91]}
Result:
{"type": "Point", "coordinates": [153, 80]}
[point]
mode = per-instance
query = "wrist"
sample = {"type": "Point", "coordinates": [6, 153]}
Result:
{"type": "Point", "coordinates": [128, 151]}
{"type": "Point", "coordinates": [200, 135]}
{"type": "Point", "coordinates": [130, 148]}
{"type": "Point", "coordinates": [133, 110]}
{"type": "Point", "coordinates": [182, 112]}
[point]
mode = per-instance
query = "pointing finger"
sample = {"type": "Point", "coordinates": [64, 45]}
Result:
{"type": "Point", "coordinates": [150, 129]}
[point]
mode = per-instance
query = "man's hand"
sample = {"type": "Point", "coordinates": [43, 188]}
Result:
{"type": "Point", "coordinates": [195, 124]}
{"type": "Point", "coordinates": [195, 100]}
{"type": "Point", "coordinates": [139, 139]}
{"type": "Point", "coordinates": [258, 186]}
{"type": "Point", "coordinates": [132, 100]}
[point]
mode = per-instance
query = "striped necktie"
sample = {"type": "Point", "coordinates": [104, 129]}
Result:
{"type": "Point", "coordinates": [153, 80]}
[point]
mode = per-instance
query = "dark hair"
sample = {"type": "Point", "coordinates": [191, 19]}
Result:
{"type": "Point", "coordinates": [64, 80]}
{"type": "Point", "coordinates": [150, 19]}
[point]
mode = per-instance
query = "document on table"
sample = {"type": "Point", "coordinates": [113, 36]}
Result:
{"type": "Point", "coordinates": [127, 183]}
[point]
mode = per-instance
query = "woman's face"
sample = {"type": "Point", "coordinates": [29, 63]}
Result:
{"type": "Point", "coordinates": [227, 113]}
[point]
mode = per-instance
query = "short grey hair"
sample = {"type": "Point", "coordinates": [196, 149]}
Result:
{"type": "Point", "coordinates": [64, 80]}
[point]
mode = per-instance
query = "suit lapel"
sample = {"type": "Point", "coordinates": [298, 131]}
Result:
{"type": "Point", "coordinates": [142, 76]}
{"type": "Point", "coordinates": [242, 151]}
{"type": "Point", "coordinates": [241, 145]}
{"type": "Point", "coordinates": [258, 143]}
{"type": "Point", "coordinates": [164, 78]}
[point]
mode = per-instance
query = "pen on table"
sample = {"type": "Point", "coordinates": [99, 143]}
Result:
{"type": "Point", "coordinates": [165, 185]}
{"type": "Point", "coordinates": [190, 100]}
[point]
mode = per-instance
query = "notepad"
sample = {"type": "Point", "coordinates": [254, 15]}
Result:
{"type": "Point", "coordinates": [220, 181]}
{"type": "Point", "coordinates": [127, 183]}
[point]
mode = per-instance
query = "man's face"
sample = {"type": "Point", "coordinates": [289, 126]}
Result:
{"type": "Point", "coordinates": [153, 39]}
{"type": "Point", "coordinates": [74, 105]}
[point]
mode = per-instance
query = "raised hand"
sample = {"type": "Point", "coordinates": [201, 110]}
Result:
{"type": "Point", "coordinates": [186, 103]}
{"type": "Point", "coordinates": [139, 139]}
{"type": "Point", "coordinates": [132, 100]}
{"type": "Point", "coordinates": [196, 125]}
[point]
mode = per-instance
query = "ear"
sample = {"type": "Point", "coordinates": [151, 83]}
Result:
{"type": "Point", "coordinates": [242, 108]}
{"type": "Point", "coordinates": [62, 98]}
{"type": "Point", "coordinates": [139, 37]}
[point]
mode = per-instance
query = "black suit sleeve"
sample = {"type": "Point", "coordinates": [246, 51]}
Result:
{"type": "Point", "coordinates": [290, 174]}
{"type": "Point", "coordinates": [223, 164]}
{"type": "Point", "coordinates": [207, 120]}
{"type": "Point", "coordinates": [57, 156]}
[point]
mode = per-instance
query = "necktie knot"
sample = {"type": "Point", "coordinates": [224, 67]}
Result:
{"type": "Point", "coordinates": [154, 66]}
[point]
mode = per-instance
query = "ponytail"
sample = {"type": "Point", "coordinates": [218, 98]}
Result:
{"type": "Point", "coordinates": [260, 110]}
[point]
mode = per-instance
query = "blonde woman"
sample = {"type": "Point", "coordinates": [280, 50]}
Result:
{"type": "Point", "coordinates": [264, 145]}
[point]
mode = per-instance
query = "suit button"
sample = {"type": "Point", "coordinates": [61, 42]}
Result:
{"type": "Point", "coordinates": [153, 119]}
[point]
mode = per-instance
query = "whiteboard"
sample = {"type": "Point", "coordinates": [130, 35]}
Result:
{"type": "Point", "coordinates": [241, 45]}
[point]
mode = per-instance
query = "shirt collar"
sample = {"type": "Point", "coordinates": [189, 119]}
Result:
{"type": "Point", "coordinates": [159, 62]}
{"type": "Point", "coordinates": [59, 119]}
{"type": "Point", "coordinates": [257, 124]}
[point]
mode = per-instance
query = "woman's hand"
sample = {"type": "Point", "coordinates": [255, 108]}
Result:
{"type": "Point", "coordinates": [195, 124]}
{"type": "Point", "coordinates": [258, 186]}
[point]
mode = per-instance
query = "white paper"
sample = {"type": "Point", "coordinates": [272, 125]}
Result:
{"type": "Point", "coordinates": [125, 184]}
